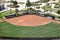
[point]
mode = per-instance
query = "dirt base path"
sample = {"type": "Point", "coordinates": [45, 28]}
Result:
{"type": "Point", "coordinates": [58, 22]}
{"type": "Point", "coordinates": [1, 20]}
{"type": "Point", "coordinates": [29, 20]}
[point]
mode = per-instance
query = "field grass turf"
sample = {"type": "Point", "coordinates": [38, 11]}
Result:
{"type": "Point", "coordinates": [49, 30]}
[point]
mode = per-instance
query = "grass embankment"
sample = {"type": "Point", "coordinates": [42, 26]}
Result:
{"type": "Point", "coordinates": [5, 13]}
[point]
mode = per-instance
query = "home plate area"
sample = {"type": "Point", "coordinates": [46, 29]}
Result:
{"type": "Point", "coordinates": [29, 20]}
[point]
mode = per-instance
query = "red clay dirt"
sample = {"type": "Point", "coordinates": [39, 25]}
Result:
{"type": "Point", "coordinates": [29, 20]}
{"type": "Point", "coordinates": [1, 20]}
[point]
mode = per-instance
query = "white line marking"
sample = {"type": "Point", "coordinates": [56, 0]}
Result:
{"type": "Point", "coordinates": [19, 21]}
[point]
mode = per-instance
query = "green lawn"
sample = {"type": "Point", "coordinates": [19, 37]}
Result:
{"type": "Point", "coordinates": [6, 12]}
{"type": "Point", "coordinates": [49, 30]}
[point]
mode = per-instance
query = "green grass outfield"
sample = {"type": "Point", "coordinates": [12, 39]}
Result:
{"type": "Point", "coordinates": [49, 30]}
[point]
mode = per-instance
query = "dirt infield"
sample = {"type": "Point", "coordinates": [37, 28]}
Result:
{"type": "Point", "coordinates": [1, 20]}
{"type": "Point", "coordinates": [29, 20]}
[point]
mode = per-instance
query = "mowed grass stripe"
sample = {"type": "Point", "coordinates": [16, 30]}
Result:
{"type": "Point", "coordinates": [35, 29]}
{"type": "Point", "coordinates": [27, 32]}
{"type": "Point", "coordinates": [55, 34]}
{"type": "Point", "coordinates": [11, 30]}
{"type": "Point", "coordinates": [49, 32]}
{"type": "Point", "coordinates": [16, 31]}
{"type": "Point", "coordinates": [52, 32]}
{"type": "Point", "coordinates": [39, 30]}
{"type": "Point", "coordinates": [32, 30]}
{"type": "Point", "coordinates": [20, 31]}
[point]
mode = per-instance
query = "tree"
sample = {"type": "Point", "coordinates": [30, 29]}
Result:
{"type": "Point", "coordinates": [14, 2]}
{"type": "Point", "coordinates": [17, 12]}
{"type": "Point", "coordinates": [28, 4]}
{"type": "Point", "coordinates": [58, 11]}
{"type": "Point", "coordinates": [16, 6]}
{"type": "Point", "coordinates": [44, 1]}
